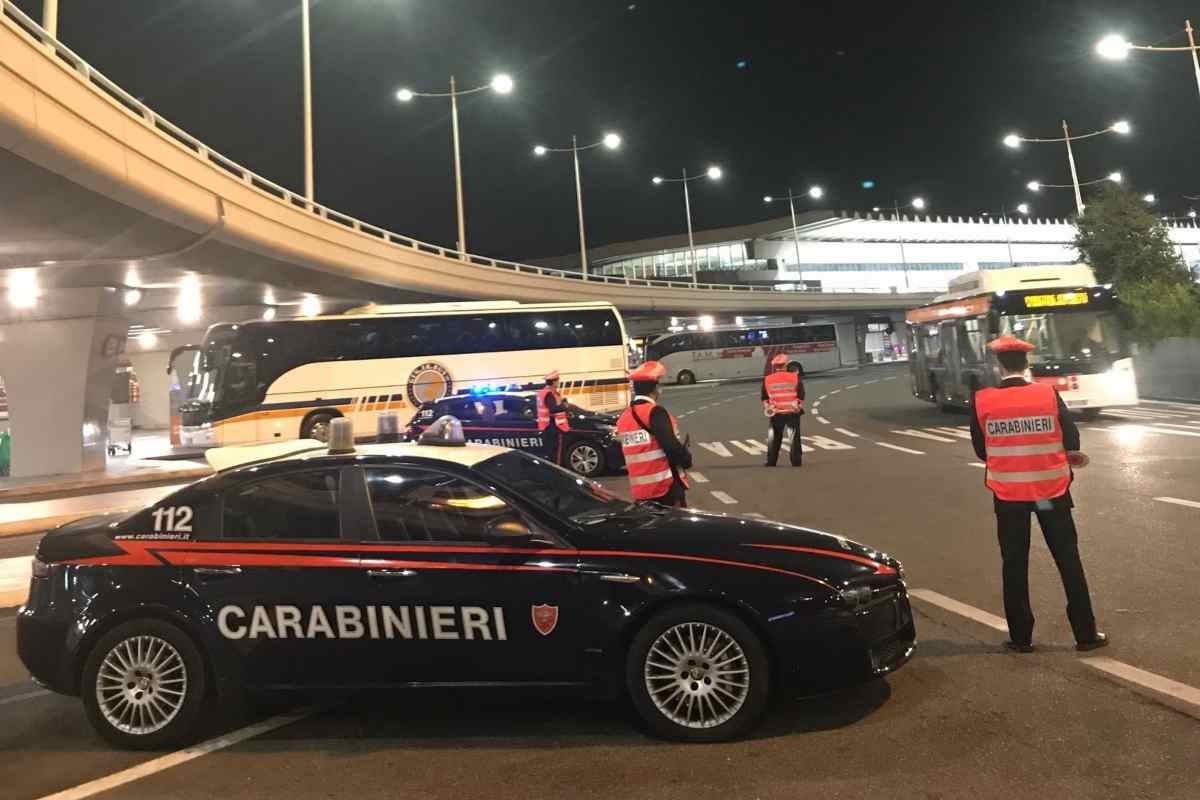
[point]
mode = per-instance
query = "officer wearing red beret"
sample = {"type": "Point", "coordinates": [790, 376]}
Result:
{"type": "Point", "coordinates": [1026, 437]}
{"type": "Point", "coordinates": [783, 402]}
{"type": "Point", "coordinates": [657, 461]}
{"type": "Point", "coordinates": [552, 417]}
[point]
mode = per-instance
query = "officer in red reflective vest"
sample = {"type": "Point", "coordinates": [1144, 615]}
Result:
{"type": "Point", "coordinates": [783, 402]}
{"type": "Point", "coordinates": [657, 461]}
{"type": "Point", "coordinates": [552, 408]}
{"type": "Point", "coordinates": [1025, 435]}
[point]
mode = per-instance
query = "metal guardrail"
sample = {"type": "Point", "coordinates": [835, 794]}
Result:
{"type": "Point", "coordinates": [180, 138]}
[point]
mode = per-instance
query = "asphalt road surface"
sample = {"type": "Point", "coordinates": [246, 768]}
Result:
{"type": "Point", "coordinates": [963, 719]}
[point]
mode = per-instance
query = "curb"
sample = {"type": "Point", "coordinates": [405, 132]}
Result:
{"type": "Point", "coordinates": [84, 485]}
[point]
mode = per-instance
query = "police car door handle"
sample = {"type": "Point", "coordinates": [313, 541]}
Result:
{"type": "Point", "coordinates": [619, 577]}
{"type": "Point", "coordinates": [217, 572]}
{"type": "Point", "coordinates": [392, 573]}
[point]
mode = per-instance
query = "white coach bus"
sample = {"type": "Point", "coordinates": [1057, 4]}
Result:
{"type": "Point", "coordinates": [742, 352]}
{"type": "Point", "coordinates": [266, 381]}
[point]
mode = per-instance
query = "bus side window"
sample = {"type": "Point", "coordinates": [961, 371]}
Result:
{"type": "Point", "coordinates": [932, 344]}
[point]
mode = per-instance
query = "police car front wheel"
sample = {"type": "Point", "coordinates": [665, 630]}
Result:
{"type": "Point", "coordinates": [697, 673]}
{"type": "Point", "coordinates": [586, 459]}
{"type": "Point", "coordinates": [143, 685]}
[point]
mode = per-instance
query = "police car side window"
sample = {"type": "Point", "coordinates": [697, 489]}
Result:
{"type": "Point", "coordinates": [424, 505]}
{"type": "Point", "coordinates": [302, 505]}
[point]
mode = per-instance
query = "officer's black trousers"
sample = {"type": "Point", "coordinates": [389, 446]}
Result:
{"type": "Point", "coordinates": [779, 424]}
{"type": "Point", "coordinates": [1058, 528]}
{"type": "Point", "coordinates": [552, 441]}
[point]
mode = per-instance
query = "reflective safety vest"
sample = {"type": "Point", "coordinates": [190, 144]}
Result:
{"type": "Point", "coordinates": [1026, 460]}
{"type": "Point", "coordinates": [650, 473]}
{"type": "Point", "coordinates": [543, 415]}
{"type": "Point", "coordinates": [783, 392]}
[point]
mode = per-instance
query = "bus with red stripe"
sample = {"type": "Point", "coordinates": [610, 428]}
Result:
{"type": "Point", "coordinates": [737, 351]}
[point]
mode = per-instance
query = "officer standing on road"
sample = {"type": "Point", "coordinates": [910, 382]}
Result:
{"type": "Point", "coordinates": [783, 402]}
{"type": "Point", "coordinates": [657, 461]}
{"type": "Point", "coordinates": [552, 408]}
{"type": "Point", "coordinates": [1029, 442]}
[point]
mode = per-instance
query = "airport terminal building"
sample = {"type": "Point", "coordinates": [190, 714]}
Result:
{"type": "Point", "coordinates": [829, 251]}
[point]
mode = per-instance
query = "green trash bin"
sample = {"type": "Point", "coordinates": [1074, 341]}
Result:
{"type": "Point", "coordinates": [5, 453]}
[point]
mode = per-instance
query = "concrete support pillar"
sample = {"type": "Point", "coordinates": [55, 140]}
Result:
{"type": "Point", "coordinates": [850, 346]}
{"type": "Point", "coordinates": [58, 361]}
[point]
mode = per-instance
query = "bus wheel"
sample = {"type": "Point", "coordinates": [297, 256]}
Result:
{"type": "Point", "coordinates": [317, 426]}
{"type": "Point", "coordinates": [685, 377]}
{"type": "Point", "coordinates": [585, 459]}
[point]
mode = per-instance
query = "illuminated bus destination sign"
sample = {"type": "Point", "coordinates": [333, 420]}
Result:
{"type": "Point", "coordinates": [1056, 300]}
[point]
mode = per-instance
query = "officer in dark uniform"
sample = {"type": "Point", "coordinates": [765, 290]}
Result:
{"type": "Point", "coordinates": [1029, 442]}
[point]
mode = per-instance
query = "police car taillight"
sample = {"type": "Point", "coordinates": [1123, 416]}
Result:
{"type": "Point", "coordinates": [341, 436]}
{"type": "Point", "coordinates": [444, 432]}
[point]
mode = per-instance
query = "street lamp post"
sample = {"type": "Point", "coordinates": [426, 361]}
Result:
{"type": "Point", "coordinates": [306, 33]}
{"type": "Point", "coordinates": [1116, 48]}
{"type": "Point", "coordinates": [500, 84]}
{"type": "Point", "coordinates": [50, 17]}
{"type": "Point", "coordinates": [816, 193]}
{"type": "Point", "coordinates": [612, 141]}
{"type": "Point", "coordinates": [1122, 127]}
{"type": "Point", "coordinates": [917, 203]}
{"type": "Point", "coordinates": [712, 173]}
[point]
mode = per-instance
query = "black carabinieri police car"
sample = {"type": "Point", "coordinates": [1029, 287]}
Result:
{"type": "Point", "coordinates": [304, 566]}
{"type": "Point", "coordinates": [509, 419]}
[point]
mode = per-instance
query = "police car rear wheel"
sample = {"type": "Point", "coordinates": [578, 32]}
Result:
{"type": "Point", "coordinates": [143, 685]}
{"type": "Point", "coordinates": [698, 674]}
{"type": "Point", "coordinates": [585, 459]}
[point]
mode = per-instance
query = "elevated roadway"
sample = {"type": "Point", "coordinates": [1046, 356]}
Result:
{"type": "Point", "coordinates": [92, 180]}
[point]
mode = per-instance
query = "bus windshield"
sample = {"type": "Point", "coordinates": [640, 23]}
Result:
{"type": "Point", "coordinates": [1068, 336]}
{"type": "Point", "coordinates": [219, 372]}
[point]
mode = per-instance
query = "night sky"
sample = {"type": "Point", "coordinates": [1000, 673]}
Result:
{"type": "Point", "coordinates": [915, 96]}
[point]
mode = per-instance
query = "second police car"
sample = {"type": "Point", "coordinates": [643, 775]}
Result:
{"type": "Point", "coordinates": [300, 565]}
{"type": "Point", "coordinates": [509, 419]}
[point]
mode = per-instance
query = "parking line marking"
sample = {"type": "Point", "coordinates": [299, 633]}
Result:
{"type": "Point", "coordinates": [822, 420]}
{"type": "Point", "coordinates": [1147, 680]}
{"type": "Point", "coordinates": [724, 498]}
{"type": "Point", "coordinates": [17, 698]}
{"type": "Point", "coordinates": [962, 609]}
{"type": "Point", "coordinates": [178, 757]}
{"type": "Point", "coordinates": [901, 449]}
{"type": "Point", "coordinates": [1177, 501]}
{"type": "Point", "coordinates": [845, 432]}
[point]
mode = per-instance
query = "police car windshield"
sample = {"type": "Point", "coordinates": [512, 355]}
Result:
{"type": "Point", "coordinates": [553, 488]}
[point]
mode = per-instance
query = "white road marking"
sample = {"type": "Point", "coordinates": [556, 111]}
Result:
{"type": "Point", "coordinates": [979, 464]}
{"type": "Point", "coordinates": [1179, 502]}
{"type": "Point", "coordinates": [17, 698]}
{"type": "Point", "coordinates": [901, 449]}
{"type": "Point", "coordinates": [868, 383]}
{"type": "Point", "coordinates": [1191, 427]}
{"type": "Point", "coordinates": [1195, 409]}
{"type": "Point", "coordinates": [724, 498]}
{"type": "Point", "coordinates": [183, 756]}
{"type": "Point", "coordinates": [822, 397]}
{"type": "Point", "coordinates": [825, 443]}
{"type": "Point", "coordinates": [845, 432]}
{"type": "Point", "coordinates": [953, 432]}
{"type": "Point", "coordinates": [816, 405]}
{"type": "Point", "coordinates": [755, 514]}
{"type": "Point", "coordinates": [962, 609]}
{"type": "Point", "coordinates": [835, 391]}
{"type": "Point", "coordinates": [1160, 429]}
{"type": "Point", "coordinates": [922, 435]}
{"type": "Point", "coordinates": [1147, 680]}
{"type": "Point", "coordinates": [891, 378]}
{"type": "Point", "coordinates": [697, 477]}
{"type": "Point", "coordinates": [822, 420]}
{"type": "Point", "coordinates": [852, 386]}
{"type": "Point", "coordinates": [754, 448]}
{"type": "Point", "coordinates": [717, 448]}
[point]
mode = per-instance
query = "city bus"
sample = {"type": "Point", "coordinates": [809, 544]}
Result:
{"type": "Point", "coordinates": [287, 379]}
{"type": "Point", "coordinates": [726, 352]}
{"type": "Point", "coordinates": [1083, 349]}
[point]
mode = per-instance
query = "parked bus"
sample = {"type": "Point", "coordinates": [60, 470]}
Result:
{"type": "Point", "coordinates": [263, 381]}
{"type": "Point", "coordinates": [1083, 349]}
{"type": "Point", "coordinates": [742, 352]}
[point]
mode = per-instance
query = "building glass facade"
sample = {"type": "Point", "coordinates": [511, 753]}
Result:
{"type": "Point", "coordinates": [727, 256]}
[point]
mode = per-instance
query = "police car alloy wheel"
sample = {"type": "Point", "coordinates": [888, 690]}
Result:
{"type": "Point", "coordinates": [585, 459]}
{"type": "Point", "coordinates": [143, 685]}
{"type": "Point", "coordinates": [698, 673]}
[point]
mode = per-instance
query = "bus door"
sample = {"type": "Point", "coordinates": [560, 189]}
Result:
{"type": "Point", "coordinates": [969, 359]}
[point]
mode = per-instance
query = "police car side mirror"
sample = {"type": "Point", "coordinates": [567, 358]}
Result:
{"type": "Point", "coordinates": [511, 529]}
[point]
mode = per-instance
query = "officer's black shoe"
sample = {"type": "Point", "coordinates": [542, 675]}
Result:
{"type": "Point", "coordinates": [1017, 647]}
{"type": "Point", "coordinates": [1101, 640]}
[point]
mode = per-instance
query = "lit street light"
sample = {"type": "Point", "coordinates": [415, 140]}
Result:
{"type": "Point", "coordinates": [610, 141]}
{"type": "Point", "coordinates": [1023, 208]}
{"type": "Point", "coordinates": [1116, 48]}
{"type": "Point", "coordinates": [816, 193]}
{"type": "Point", "coordinates": [500, 84]}
{"type": "Point", "coordinates": [1149, 198]}
{"type": "Point", "coordinates": [1014, 141]}
{"type": "Point", "coordinates": [918, 203]}
{"type": "Point", "coordinates": [712, 173]}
